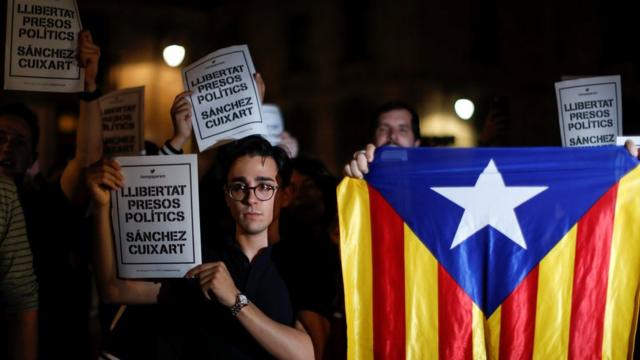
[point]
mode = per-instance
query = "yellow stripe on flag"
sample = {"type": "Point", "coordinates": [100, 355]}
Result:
{"type": "Point", "coordinates": [477, 333]}
{"type": "Point", "coordinates": [421, 298]}
{"type": "Point", "coordinates": [492, 332]}
{"type": "Point", "coordinates": [624, 272]}
{"type": "Point", "coordinates": [355, 249]}
{"type": "Point", "coordinates": [553, 310]}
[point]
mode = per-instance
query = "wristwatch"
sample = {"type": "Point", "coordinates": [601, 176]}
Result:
{"type": "Point", "coordinates": [241, 301]}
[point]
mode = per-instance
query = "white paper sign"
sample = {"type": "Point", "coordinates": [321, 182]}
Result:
{"type": "Point", "coordinates": [620, 140]}
{"type": "Point", "coordinates": [225, 100]}
{"type": "Point", "coordinates": [122, 114]}
{"type": "Point", "coordinates": [156, 217]}
{"type": "Point", "coordinates": [273, 121]}
{"type": "Point", "coordinates": [590, 111]}
{"type": "Point", "coordinates": [41, 46]}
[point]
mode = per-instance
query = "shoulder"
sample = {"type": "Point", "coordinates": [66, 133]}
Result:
{"type": "Point", "coordinates": [8, 195]}
{"type": "Point", "coordinates": [7, 186]}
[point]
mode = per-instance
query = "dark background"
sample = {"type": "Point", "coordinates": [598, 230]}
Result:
{"type": "Point", "coordinates": [328, 64]}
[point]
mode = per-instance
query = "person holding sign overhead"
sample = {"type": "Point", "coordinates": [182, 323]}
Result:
{"type": "Point", "coordinates": [235, 304]}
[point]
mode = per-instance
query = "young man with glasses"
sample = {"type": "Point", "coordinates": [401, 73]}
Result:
{"type": "Point", "coordinates": [234, 305]}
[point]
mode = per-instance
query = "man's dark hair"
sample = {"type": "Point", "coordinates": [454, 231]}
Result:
{"type": "Point", "coordinates": [397, 105]}
{"type": "Point", "coordinates": [256, 145]}
{"type": "Point", "coordinates": [23, 112]}
{"type": "Point", "coordinates": [323, 179]}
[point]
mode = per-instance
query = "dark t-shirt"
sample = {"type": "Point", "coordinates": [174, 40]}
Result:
{"type": "Point", "coordinates": [196, 328]}
{"type": "Point", "coordinates": [309, 271]}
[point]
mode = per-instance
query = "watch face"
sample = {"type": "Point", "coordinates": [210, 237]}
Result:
{"type": "Point", "coordinates": [242, 299]}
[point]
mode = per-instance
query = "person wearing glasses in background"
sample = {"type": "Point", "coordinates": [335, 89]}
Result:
{"type": "Point", "coordinates": [235, 304]}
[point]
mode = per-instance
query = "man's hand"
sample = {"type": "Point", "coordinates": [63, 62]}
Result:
{"type": "Point", "coordinates": [181, 117]}
{"type": "Point", "coordinates": [359, 166]}
{"type": "Point", "coordinates": [632, 148]}
{"type": "Point", "coordinates": [262, 88]}
{"type": "Point", "coordinates": [215, 277]}
{"type": "Point", "coordinates": [289, 143]}
{"type": "Point", "coordinates": [88, 56]}
{"type": "Point", "coordinates": [101, 178]}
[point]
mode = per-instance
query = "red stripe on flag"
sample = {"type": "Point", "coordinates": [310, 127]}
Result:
{"type": "Point", "coordinates": [387, 251]}
{"type": "Point", "coordinates": [454, 319]}
{"type": "Point", "coordinates": [591, 273]}
{"type": "Point", "coordinates": [518, 319]}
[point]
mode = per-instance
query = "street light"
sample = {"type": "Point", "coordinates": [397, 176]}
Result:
{"type": "Point", "coordinates": [173, 55]}
{"type": "Point", "coordinates": [464, 108]}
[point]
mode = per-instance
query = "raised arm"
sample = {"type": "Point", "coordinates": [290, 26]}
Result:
{"type": "Point", "coordinates": [102, 178]}
{"type": "Point", "coordinates": [182, 126]}
{"type": "Point", "coordinates": [89, 132]}
{"type": "Point", "coordinates": [281, 341]}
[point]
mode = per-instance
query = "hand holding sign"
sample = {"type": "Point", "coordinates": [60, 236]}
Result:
{"type": "Point", "coordinates": [226, 97]}
{"type": "Point", "coordinates": [181, 111]}
{"type": "Point", "coordinates": [214, 276]}
{"type": "Point", "coordinates": [101, 178]}
{"type": "Point", "coordinates": [630, 143]}
{"type": "Point", "coordinates": [289, 143]}
{"type": "Point", "coordinates": [155, 216]}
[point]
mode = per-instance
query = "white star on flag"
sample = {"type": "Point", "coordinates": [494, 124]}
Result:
{"type": "Point", "coordinates": [489, 203]}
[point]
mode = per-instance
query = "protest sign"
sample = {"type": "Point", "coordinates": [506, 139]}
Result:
{"type": "Point", "coordinates": [273, 122]}
{"type": "Point", "coordinates": [41, 46]}
{"type": "Point", "coordinates": [590, 111]}
{"type": "Point", "coordinates": [225, 100]}
{"type": "Point", "coordinates": [620, 140]}
{"type": "Point", "coordinates": [155, 217]}
{"type": "Point", "coordinates": [122, 114]}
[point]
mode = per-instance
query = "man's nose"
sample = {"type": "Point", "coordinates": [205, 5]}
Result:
{"type": "Point", "coordinates": [250, 197]}
{"type": "Point", "coordinates": [7, 146]}
{"type": "Point", "coordinates": [393, 134]}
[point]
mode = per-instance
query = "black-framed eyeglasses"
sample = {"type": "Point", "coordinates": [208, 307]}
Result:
{"type": "Point", "coordinates": [240, 191]}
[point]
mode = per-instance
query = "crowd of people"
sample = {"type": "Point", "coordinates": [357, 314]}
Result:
{"type": "Point", "coordinates": [270, 281]}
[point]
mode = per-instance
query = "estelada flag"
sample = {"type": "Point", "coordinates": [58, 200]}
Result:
{"type": "Point", "coordinates": [492, 253]}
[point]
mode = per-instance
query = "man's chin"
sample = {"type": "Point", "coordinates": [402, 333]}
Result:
{"type": "Point", "coordinates": [253, 229]}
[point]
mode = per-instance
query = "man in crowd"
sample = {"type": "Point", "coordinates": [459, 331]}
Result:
{"type": "Point", "coordinates": [396, 124]}
{"type": "Point", "coordinates": [52, 219]}
{"type": "Point", "coordinates": [18, 286]}
{"type": "Point", "coordinates": [235, 304]}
